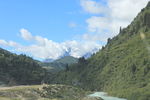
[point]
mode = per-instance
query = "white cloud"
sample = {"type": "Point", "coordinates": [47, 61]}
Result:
{"type": "Point", "coordinates": [125, 9]}
{"type": "Point", "coordinates": [80, 48]}
{"type": "Point", "coordinates": [9, 43]}
{"type": "Point", "coordinates": [93, 7]}
{"type": "Point", "coordinates": [96, 37]}
{"type": "Point", "coordinates": [97, 24]}
{"type": "Point", "coordinates": [25, 34]}
{"type": "Point", "coordinates": [44, 48]}
{"type": "Point", "coordinates": [13, 44]}
{"type": "Point", "coordinates": [119, 13]}
{"type": "Point", "coordinates": [3, 43]}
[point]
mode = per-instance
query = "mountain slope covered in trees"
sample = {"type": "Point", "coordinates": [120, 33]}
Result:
{"type": "Point", "coordinates": [121, 68]}
{"type": "Point", "coordinates": [59, 64]}
{"type": "Point", "coordinates": [19, 69]}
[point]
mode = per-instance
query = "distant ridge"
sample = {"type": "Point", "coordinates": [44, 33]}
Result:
{"type": "Point", "coordinates": [60, 64]}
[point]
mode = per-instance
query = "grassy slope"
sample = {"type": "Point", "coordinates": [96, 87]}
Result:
{"type": "Point", "coordinates": [122, 67]}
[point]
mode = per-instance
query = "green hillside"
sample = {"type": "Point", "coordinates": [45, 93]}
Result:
{"type": "Point", "coordinates": [59, 64]}
{"type": "Point", "coordinates": [19, 69]}
{"type": "Point", "coordinates": [121, 68]}
{"type": "Point", "coordinates": [67, 60]}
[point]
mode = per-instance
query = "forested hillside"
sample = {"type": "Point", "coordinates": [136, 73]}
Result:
{"type": "Point", "coordinates": [19, 69]}
{"type": "Point", "coordinates": [59, 64]}
{"type": "Point", "coordinates": [121, 68]}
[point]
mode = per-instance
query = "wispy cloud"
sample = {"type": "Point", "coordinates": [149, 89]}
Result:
{"type": "Point", "coordinates": [25, 34]}
{"type": "Point", "coordinates": [93, 7]}
{"type": "Point", "coordinates": [9, 43]}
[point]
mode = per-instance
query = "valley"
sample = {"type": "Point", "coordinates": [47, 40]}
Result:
{"type": "Point", "coordinates": [120, 70]}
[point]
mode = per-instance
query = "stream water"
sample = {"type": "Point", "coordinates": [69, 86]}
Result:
{"type": "Point", "coordinates": [104, 96]}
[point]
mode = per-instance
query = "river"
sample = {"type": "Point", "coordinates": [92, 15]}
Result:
{"type": "Point", "coordinates": [104, 96]}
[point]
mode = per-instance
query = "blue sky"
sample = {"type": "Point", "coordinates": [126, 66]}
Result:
{"type": "Point", "coordinates": [47, 18]}
{"type": "Point", "coordinates": [49, 28]}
